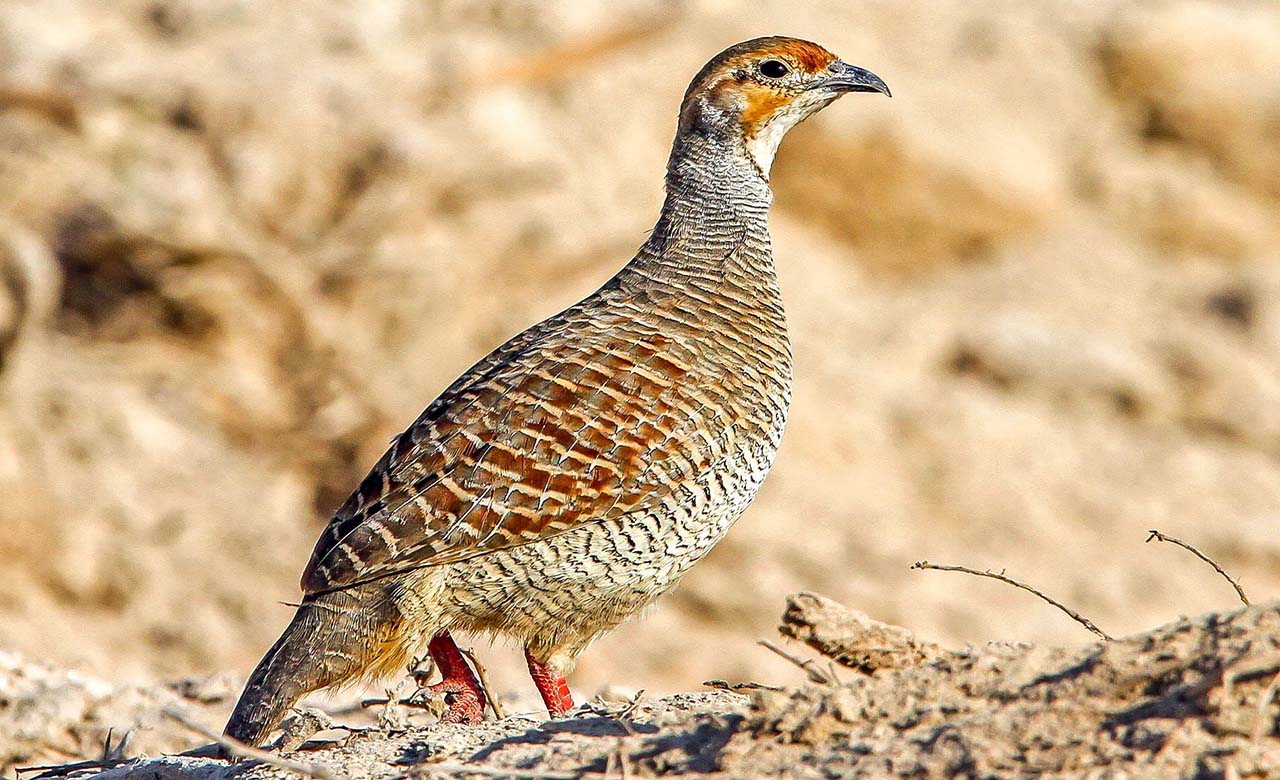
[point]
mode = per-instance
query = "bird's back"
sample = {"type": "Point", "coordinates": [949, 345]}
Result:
{"type": "Point", "coordinates": [600, 411]}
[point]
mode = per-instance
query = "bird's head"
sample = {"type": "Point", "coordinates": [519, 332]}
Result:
{"type": "Point", "coordinates": [749, 95]}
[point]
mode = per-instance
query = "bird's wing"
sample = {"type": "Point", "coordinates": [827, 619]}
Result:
{"type": "Point", "coordinates": [566, 424]}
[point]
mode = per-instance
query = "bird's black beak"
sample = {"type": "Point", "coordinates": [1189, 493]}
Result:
{"type": "Point", "coordinates": [850, 78]}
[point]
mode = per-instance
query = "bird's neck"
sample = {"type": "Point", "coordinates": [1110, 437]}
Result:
{"type": "Point", "coordinates": [713, 229]}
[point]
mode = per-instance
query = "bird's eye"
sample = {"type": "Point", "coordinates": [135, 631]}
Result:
{"type": "Point", "coordinates": [773, 69]}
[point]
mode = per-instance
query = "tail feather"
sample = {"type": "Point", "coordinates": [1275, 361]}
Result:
{"type": "Point", "coordinates": [332, 638]}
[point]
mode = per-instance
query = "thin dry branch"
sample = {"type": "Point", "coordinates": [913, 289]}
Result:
{"type": "Point", "coordinates": [241, 750]}
{"type": "Point", "coordinates": [811, 669]}
{"type": "Point", "coordinates": [1157, 536]}
{"type": "Point", "coordinates": [53, 771]}
{"type": "Point", "coordinates": [382, 701]}
{"type": "Point", "coordinates": [112, 755]}
{"type": "Point", "coordinates": [725, 685]}
{"type": "Point", "coordinates": [1076, 616]}
{"type": "Point", "coordinates": [492, 771]}
{"type": "Point", "coordinates": [483, 674]}
{"type": "Point", "coordinates": [621, 714]}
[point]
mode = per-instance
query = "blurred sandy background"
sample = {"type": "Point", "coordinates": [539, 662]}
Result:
{"type": "Point", "coordinates": [1034, 302]}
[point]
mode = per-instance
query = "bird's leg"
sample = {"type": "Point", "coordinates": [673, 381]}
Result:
{"type": "Point", "coordinates": [463, 697]}
{"type": "Point", "coordinates": [553, 687]}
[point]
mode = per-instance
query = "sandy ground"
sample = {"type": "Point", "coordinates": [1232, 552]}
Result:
{"type": "Point", "coordinates": [1194, 699]}
{"type": "Point", "coordinates": [1033, 301]}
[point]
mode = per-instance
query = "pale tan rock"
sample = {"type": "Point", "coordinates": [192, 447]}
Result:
{"type": "Point", "coordinates": [851, 637]}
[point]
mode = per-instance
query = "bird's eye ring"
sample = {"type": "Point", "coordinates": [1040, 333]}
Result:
{"type": "Point", "coordinates": [773, 69]}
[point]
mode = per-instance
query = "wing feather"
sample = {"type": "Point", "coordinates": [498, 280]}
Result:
{"type": "Point", "coordinates": [565, 424]}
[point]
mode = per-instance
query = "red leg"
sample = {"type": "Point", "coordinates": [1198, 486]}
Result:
{"type": "Point", "coordinates": [462, 694]}
{"type": "Point", "coordinates": [553, 687]}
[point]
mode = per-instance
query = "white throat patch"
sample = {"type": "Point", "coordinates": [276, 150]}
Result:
{"type": "Point", "coordinates": [764, 144]}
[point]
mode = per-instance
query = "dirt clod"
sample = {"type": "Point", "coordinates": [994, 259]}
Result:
{"type": "Point", "coordinates": [850, 637]}
{"type": "Point", "coordinates": [1193, 699]}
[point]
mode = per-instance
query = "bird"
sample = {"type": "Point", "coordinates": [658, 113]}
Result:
{"type": "Point", "coordinates": [576, 473]}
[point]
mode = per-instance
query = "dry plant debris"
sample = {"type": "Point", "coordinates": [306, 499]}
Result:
{"type": "Point", "coordinates": [1002, 577]}
{"type": "Point", "coordinates": [1162, 537]}
{"type": "Point", "coordinates": [1195, 699]}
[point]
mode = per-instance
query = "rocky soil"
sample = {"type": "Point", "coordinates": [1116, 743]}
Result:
{"type": "Point", "coordinates": [1193, 699]}
{"type": "Point", "coordinates": [1033, 300]}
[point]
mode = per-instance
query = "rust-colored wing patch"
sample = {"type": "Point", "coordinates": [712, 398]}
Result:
{"type": "Point", "coordinates": [542, 436]}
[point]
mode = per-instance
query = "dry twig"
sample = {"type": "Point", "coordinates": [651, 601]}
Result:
{"type": "Point", "coordinates": [112, 755]}
{"type": "Point", "coordinates": [621, 714]}
{"type": "Point", "coordinates": [382, 701]}
{"type": "Point", "coordinates": [725, 685]}
{"type": "Point", "coordinates": [417, 699]}
{"type": "Point", "coordinates": [388, 719]}
{"type": "Point", "coordinates": [239, 749]}
{"type": "Point", "coordinates": [1159, 537]}
{"type": "Point", "coordinates": [812, 670]}
{"type": "Point", "coordinates": [54, 771]}
{"type": "Point", "coordinates": [483, 674]}
{"type": "Point", "coordinates": [1076, 616]}
{"type": "Point", "coordinates": [492, 771]}
{"type": "Point", "coordinates": [629, 709]}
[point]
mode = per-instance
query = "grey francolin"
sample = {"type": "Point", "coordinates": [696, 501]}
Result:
{"type": "Point", "coordinates": [574, 475]}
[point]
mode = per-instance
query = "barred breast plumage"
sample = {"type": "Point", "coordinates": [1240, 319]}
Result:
{"type": "Point", "coordinates": [575, 473]}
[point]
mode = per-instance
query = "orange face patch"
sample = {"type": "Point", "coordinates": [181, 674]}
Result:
{"type": "Point", "coordinates": [762, 104]}
{"type": "Point", "coordinates": [731, 80]}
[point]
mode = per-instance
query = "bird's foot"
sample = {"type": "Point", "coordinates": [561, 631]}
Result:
{"type": "Point", "coordinates": [463, 697]}
{"type": "Point", "coordinates": [553, 688]}
{"type": "Point", "coordinates": [462, 704]}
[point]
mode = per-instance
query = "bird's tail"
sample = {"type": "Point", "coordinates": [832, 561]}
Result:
{"type": "Point", "coordinates": [333, 638]}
